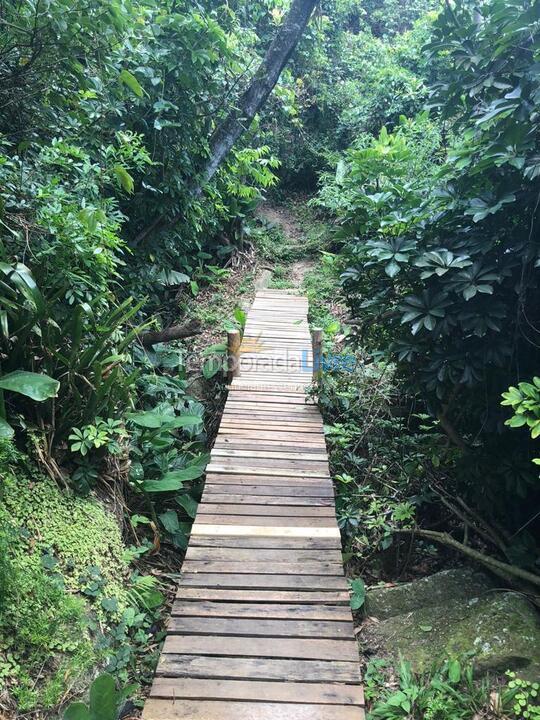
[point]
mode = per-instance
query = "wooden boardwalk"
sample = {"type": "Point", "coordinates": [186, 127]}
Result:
{"type": "Point", "coordinates": [261, 628]}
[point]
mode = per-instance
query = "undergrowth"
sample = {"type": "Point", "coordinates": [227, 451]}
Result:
{"type": "Point", "coordinates": [448, 692]}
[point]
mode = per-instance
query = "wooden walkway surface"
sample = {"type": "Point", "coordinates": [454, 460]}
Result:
{"type": "Point", "coordinates": [261, 628]}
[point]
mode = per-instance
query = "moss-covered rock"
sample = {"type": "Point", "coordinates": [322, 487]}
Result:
{"type": "Point", "coordinates": [78, 532]}
{"type": "Point", "coordinates": [50, 543]}
{"type": "Point", "coordinates": [499, 629]}
{"type": "Point", "coordinates": [438, 589]}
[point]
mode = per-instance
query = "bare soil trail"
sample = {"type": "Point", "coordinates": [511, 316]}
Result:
{"type": "Point", "coordinates": [284, 218]}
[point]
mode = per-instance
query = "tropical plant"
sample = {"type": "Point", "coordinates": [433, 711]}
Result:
{"type": "Point", "coordinates": [525, 402]}
{"type": "Point", "coordinates": [80, 356]}
{"type": "Point", "coordinates": [438, 231]}
{"type": "Point", "coordinates": [104, 701]}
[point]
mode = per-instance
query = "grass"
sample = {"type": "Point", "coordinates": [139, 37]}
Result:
{"type": "Point", "coordinates": [321, 285]}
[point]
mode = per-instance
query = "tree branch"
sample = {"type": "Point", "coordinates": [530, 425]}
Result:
{"type": "Point", "coordinates": [175, 332]}
{"type": "Point", "coordinates": [502, 569]}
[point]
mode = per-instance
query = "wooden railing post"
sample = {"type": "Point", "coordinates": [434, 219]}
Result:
{"type": "Point", "coordinates": [233, 354]}
{"type": "Point", "coordinates": [316, 343]}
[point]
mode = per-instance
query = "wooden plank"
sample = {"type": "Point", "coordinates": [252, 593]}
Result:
{"type": "Point", "coordinates": [226, 710]}
{"type": "Point", "coordinates": [265, 543]}
{"type": "Point", "coordinates": [270, 530]}
{"type": "Point", "coordinates": [260, 386]}
{"type": "Point", "coordinates": [269, 424]}
{"type": "Point", "coordinates": [288, 421]}
{"type": "Point", "coordinates": [267, 434]}
{"type": "Point", "coordinates": [237, 486]}
{"type": "Point", "coordinates": [264, 470]}
{"type": "Point", "coordinates": [232, 443]}
{"type": "Point", "coordinates": [280, 411]}
{"type": "Point", "coordinates": [326, 597]}
{"type": "Point", "coordinates": [268, 521]}
{"type": "Point", "coordinates": [269, 440]}
{"type": "Point", "coordinates": [224, 498]}
{"type": "Point", "coordinates": [260, 555]}
{"type": "Point", "coordinates": [285, 480]}
{"type": "Point", "coordinates": [279, 399]}
{"type": "Point", "coordinates": [273, 454]}
{"type": "Point", "coordinates": [258, 669]}
{"type": "Point", "coordinates": [262, 567]}
{"type": "Point", "coordinates": [212, 508]}
{"type": "Point", "coordinates": [312, 468]}
{"type": "Point", "coordinates": [261, 647]}
{"type": "Point", "coordinates": [235, 627]}
{"type": "Point", "coordinates": [214, 689]}
{"type": "Point", "coordinates": [241, 426]}
{"type": "Point", "coordinates": [277, 423]}
{"type": "Point", "coordinates": [274, 611]}
{"type": "Point", "coordinates": [279, 581]}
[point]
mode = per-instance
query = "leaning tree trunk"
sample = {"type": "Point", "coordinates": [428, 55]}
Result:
{"type": "Point", "coordinates": [261, 86]}
{"type": "Point", "coordinates": [240, 117]}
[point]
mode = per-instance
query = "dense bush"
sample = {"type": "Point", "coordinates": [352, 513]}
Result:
{"type": "Point", "coordinates": [106, 111]}
{"type": "Point", "coordinates": [359, 66]}
{"type": "Point", "coordinates": [440, 259]}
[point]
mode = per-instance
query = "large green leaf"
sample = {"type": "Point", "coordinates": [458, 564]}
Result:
{"type": "Point", "coordinates": [211, 367]}
{"type": "Point", "coordinates": [6, 431]}
{"type": "Point", "coordinates": [125, 180]}
{"type": "Point", "coordinates": [189, 504]}
{"type": "Point", "coordinates": [358, 593]}
{"type": "Point", "coordinates": [175, 479]}
{"type": "Point", "coordinates": [169, 520]}
{"type": "Point", "coordinates": [34, 385]}
{"type": "Point", "coordinates": [77, 711]}
{"type": "Point", "coordinates": [153, 420]}
{"type": "Point", "coordinates": [103, 698]}
{"type": "Point", "coordinates": [185, 421]}
{"type": "Point", "coordinates": [131, 81]}
{"type": "Point", "coordinates": [149, 419]}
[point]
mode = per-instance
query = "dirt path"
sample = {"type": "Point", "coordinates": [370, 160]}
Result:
{"type": "Point", "coordinates": [285, 219]}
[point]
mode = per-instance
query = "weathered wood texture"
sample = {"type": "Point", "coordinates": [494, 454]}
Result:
{"type": "Point", "coordinates": [261, 628]}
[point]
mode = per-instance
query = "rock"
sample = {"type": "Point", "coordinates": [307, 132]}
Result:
{"type": "Point", "coordinates": [262, 280]}
{"type": "Point", "coordinates": [499, 629]}
{"type": "Point", "coordinates": [386, 602]}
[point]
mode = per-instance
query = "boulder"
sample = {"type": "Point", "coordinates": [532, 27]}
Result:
{"type": "Point", "coordinates": [430, 620]}
{"type": "Point", "coordinates": [462, 583]}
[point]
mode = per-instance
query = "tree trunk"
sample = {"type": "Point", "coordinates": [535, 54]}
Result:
{"type": "Point", "coordinates": [240, 117]}
{"type": "Point", "coordinates": [261, 86]}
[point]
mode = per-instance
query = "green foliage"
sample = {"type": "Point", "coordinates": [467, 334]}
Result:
{"type": "Point", "coordinates": [447, 692]}
{"type": "Point", "coordinates": [77, 532]}
{"type": "Point", "coordinates": [358, 593]}
{"type": "Point", "coordinates": [525, 402]}
{"type": "Point", "coordinates": [69, 600]}
{"type": "Point", "coordinates": [521, 696]}
{"type": "Point", "coordinates": [382, 459]}
{"type": "Point", "coordinates": [105, 433]}
{"type": "Point", "coordinates": [45, 642]}
{"type": "Point", "coordinates": [438, 224]}
{"type": "Point", "coordinates": [80, 347]}
{"type": "Point", "coordinates": [359, 66]}
{"type": "Point", "coordinates": [105, 119]}
{"type": "Point", "coordinates": [104, 702]}
{"type": "Point", "coordinates": [33, 385]}
{"type": "Point", "coordinates": [167, 444]}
